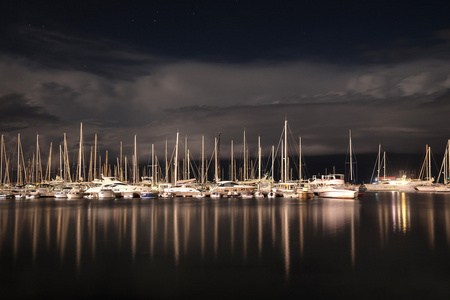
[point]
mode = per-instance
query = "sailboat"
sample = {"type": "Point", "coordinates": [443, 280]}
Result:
{"type": "Point", "coordinates": [445, 170]}
{"type": "Point", "coordinates": [333, 185]}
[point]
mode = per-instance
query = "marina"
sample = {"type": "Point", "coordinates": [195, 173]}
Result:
{"type": "Point", "coordinates": [387, 244]}
{"type": "Point", "coordinates": [186, 177]}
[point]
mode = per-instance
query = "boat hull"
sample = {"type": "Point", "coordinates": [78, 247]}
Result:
{"type": "Point", "coordinates": [340, 194]}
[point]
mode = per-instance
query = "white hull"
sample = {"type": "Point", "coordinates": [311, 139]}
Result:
{"type": "Point", "coordinates": [433, 188]}
{"type": "Point", "coordinates": [337, 193]}
{"type": "Point", "coordinates": [106, 194]}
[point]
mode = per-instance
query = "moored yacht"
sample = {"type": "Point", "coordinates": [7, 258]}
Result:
{"type": "Point", "coordinates": [225, 187]}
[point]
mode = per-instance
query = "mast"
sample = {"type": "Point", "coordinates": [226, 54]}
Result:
{"type": "Point", "coordinates": [351, 156]}
{"type": "Point", "coordinates": [126, 169]}
{"type": "Point", "coordinates": [37, 159]}
{"type": "Point", "coordinates": [300, 158]}
{"type": "Point", "coordinates": [121, 163]}
{"type": "Point", "coordinates": [135, 166]}
{"type": "Point", "coordinates": [49, 163]}
{"type": "Point", "coordinates": [153, 164]}
{"type": "Point", "coordinates": [259, 158]}
{"type": "Point", "coordinates": [203, 159]}
{"type": "Point", "coordinates": [95, 156]}
{"type": "Point", "coordinates": [66, 161]}
{"type": "Point", "coordinates": [90, 178]}
{"type": "Point", "coordinates": [167, 166]}
{"type": "Point", "coordinates": [188, 166]}
{"type": "Point", "coordinates": [1, 160]}
{"type": "Point", "coordinates": [448, 162]}
{"type": "Point", "coordinates": [176, 160]}
{"type": "Point", "coordinates": [429, 164]}
{"type": "Point", "coordinates": [80, 178]}
{"type": "Point", "coordinates": [379, 162]}
{"type": "Point", "coordinates": [285, 151]}
{"type": "Point", "coordinates": [282, 161]}
{"type": "Point", "coordinates": [185, 158]}
{"type": "Point", "coordinates": [245, 158]}
{"type": "Point", "coordinates": [60, 163]}
{"type": "Point", "coordinates": [232, 159]}
{"type": "Point", "coordinates": [19, 178]}
{"type": "Point", "coordinates": [273, 161]}
{"type": "Point", "coordinates": [216, 175]}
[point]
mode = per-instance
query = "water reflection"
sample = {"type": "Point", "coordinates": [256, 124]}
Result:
{"type": "Point", "coordinates": [234, 231]}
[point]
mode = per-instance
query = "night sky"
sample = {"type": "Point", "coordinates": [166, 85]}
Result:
{"type": "Point", "coordinates": [150, 68]}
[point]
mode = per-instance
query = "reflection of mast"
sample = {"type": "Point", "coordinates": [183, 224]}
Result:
{"type": "Point", "coordinates": [134, 231]}
{"type": "Point", "coordinates": [353, 249]}
{"type": "Point", "coordinates": [285, 237]}
{"type": "Point", "coordinates": [302, 238]}
{"type": "Point", "coordinates": [260, 230]}
{"type": "Point", "coordinates": [216, 231]}
{"type": "Point", "coordinates": [79, 239]}
{"type": "Point", "coordinates": [176, 245]}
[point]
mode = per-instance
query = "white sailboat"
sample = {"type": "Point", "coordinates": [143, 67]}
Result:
{"type": "Point", "coordinates": [445, 170]}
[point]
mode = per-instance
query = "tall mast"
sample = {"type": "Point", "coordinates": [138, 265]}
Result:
{"type": "Point", "coordinates": [167, 166]}
{"type": "Point", "coordinates": [176, 160]}
{"type": "Point", "coordinates": [80, 178]}
{"type": "Point", "coordinates": [232, 160]}
{"type": "Point", "coordinates": [90, 178]}
{"type": "Point", "coordinates": [49, 163]}
{"type": "Point", "coordinates": [282, 161]}
{"type": "Point", "coordinates": [135, 166]}
{"type": "Point", "coordinates": [273, 161]}
{"type": "Point", "coordinates": [448, 162]}
{"type": "Point", "coordinates": [300, 158]}
{"type": "Point", "coordinates": [285, 151]}
{"type": "Point", "coordinates": [203, 159]}
{"type": "Point", "coordinates": [126, 169]}
{"type": "Point", "coordinates": [66, 161]}
{"type": "Point", "coordinates": [95, 156]}
{"type": "Point", "coordinates": [379, 162]}
{"type": "Point", "coordinates": [121, 163]}
{"type": "Point", "coordinates": [185, 158]}
{"type": "Point", "coordinates": [216, 175]}
{"type": "Point", "coordinates": [245, 158]}
{"type": "Point", "coordinates": [429, 164]}
{"type": "Point", "coordinates": [1, 160]}
{"type": "Point", "coordinates": [60, 163]}
{"type": "Point", "coordinates": [37, 159]}
{"type": "Point", "coordinates": [351, 156]}
{"type": "Point", "coordinates": [188, 165]}
{"type": "Point", "coordinates": [153, 164]}
{"type": "Point", "coordinates": [259, 158]}
{"type": "Point", "coordinates": [19, 178]}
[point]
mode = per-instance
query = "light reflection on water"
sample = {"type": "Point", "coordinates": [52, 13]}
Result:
{"type": "Point", "coordinates": [285, 239]}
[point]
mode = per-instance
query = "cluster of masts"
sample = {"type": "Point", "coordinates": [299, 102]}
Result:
{"type": "Point", "coordinates": [32, 172]}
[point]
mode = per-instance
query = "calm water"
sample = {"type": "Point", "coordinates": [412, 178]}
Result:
{"type": "Point", "coordinates": [390, 245]}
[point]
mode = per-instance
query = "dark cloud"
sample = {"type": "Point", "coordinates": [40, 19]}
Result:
{"type": "Point", "coordinates": [17, 113]}
{"type": "Point", "coordinates": [384, 81]}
